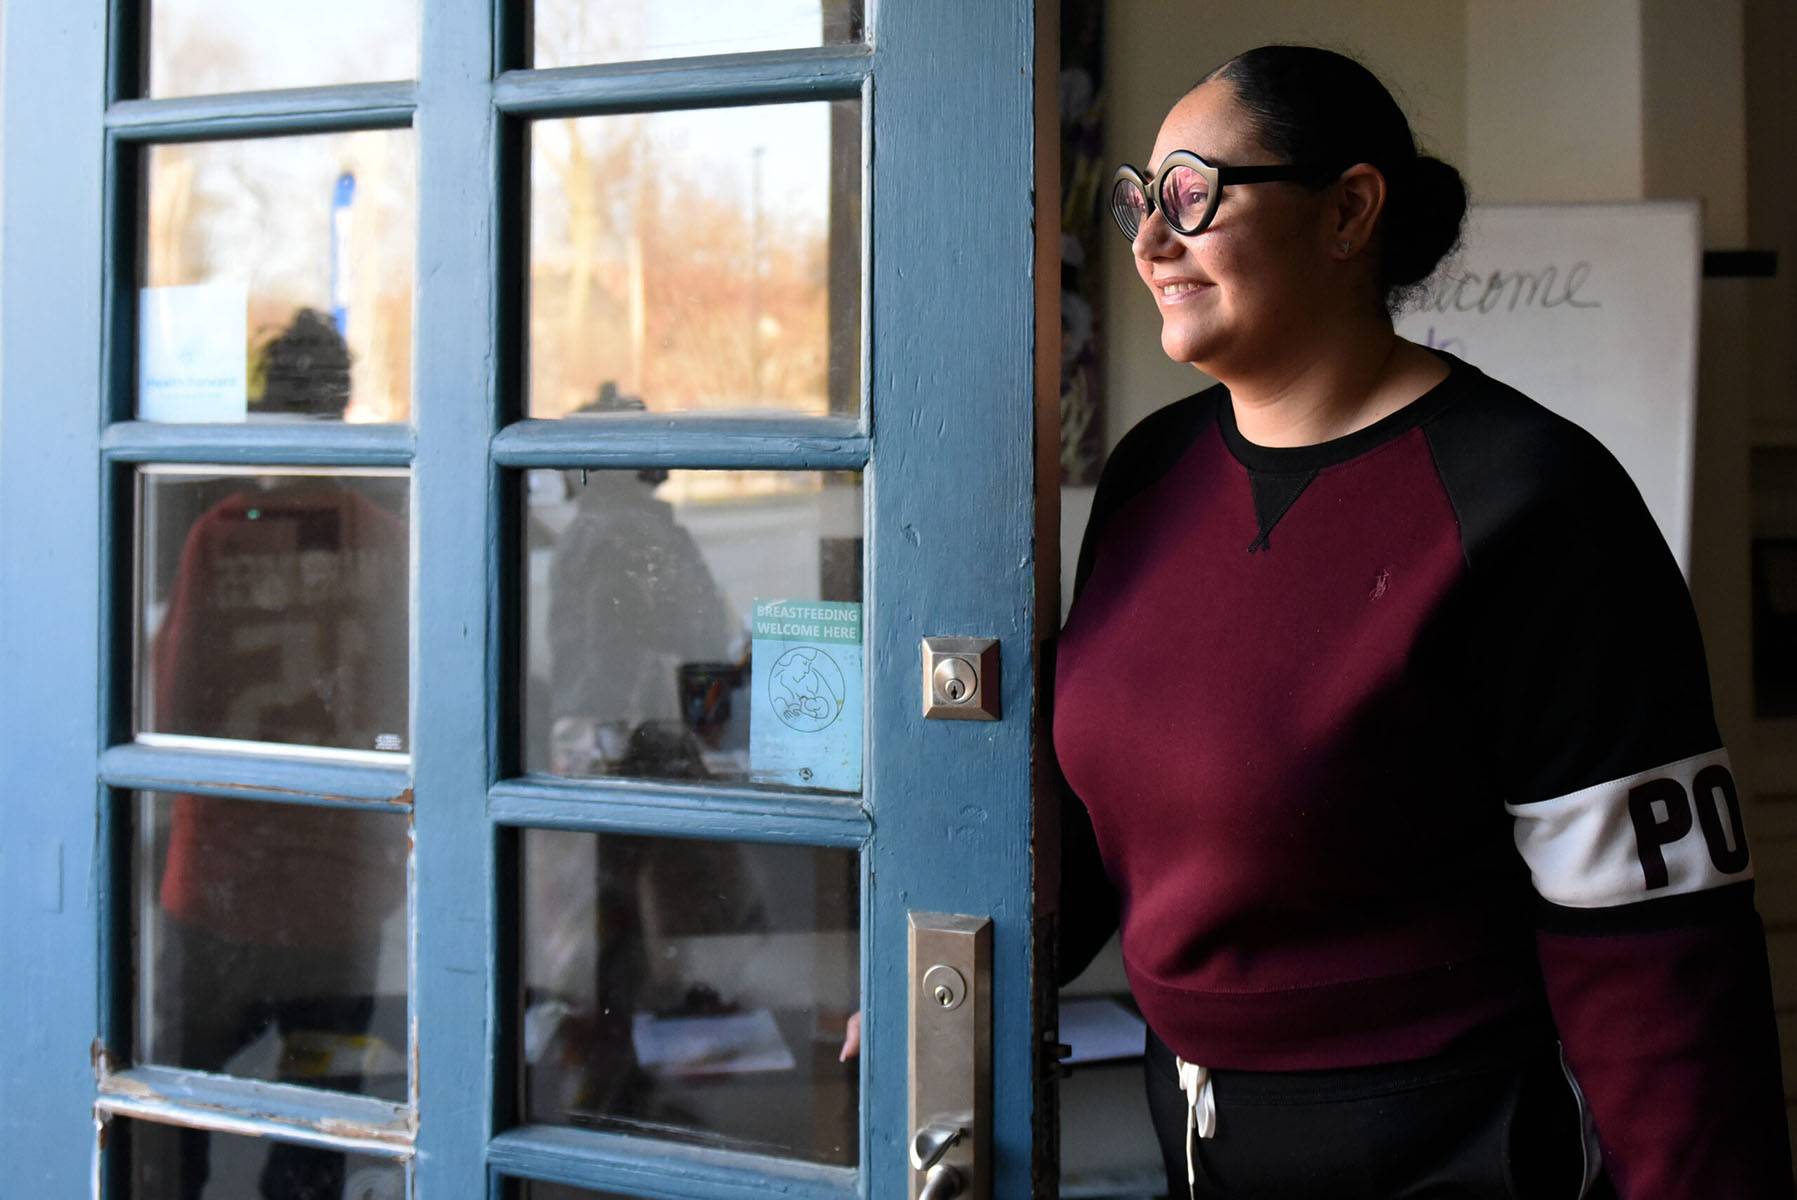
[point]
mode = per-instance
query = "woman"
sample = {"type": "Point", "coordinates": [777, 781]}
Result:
{"type": "Point", "coordinates": [1386, 703]}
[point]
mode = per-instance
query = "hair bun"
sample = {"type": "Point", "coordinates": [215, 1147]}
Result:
{"type": "Point", "coordinates": [1311, 105]}
{"type": "Point", "coordinates": [1424, 210]}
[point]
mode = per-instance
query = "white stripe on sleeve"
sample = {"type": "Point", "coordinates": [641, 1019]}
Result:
{"type": "Point", "coordinates": [1665, 832]}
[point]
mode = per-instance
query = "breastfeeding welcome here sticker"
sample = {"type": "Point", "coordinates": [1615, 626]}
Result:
{"type": "Point", "coordinates": [805, 709]}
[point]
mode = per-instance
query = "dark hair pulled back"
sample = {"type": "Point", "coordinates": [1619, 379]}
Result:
{"type": "Point", "coordinates": [1316, 107]}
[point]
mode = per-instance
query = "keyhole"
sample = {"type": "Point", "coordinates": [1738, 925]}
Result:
{"type": "Point", "coordinates": [945, 985]}
{"type": "Point", "coordinates": [955, 690]}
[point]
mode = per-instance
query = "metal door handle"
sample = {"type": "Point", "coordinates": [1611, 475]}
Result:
{"type": "Point", "coordinates": [951, 1057]}
{"type": "Point", "coordinates": [931, 1142]}
{"type": "Point", "coordinates": [942, 1182]}
{"type": "Point", "coordinates": [928, 1145]}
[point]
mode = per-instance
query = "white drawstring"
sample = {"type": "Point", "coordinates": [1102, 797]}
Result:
{"type": "Point", "coordinates": [1201, 1110]}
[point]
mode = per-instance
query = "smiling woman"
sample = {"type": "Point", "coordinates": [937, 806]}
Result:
{"type": "Point", "coordinates": [1386, 720]}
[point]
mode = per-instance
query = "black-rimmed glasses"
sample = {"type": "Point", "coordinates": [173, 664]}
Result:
{"type": "Point", "coordinates": [1187, 189]}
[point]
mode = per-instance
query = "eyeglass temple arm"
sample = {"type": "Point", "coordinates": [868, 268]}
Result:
{"type": "Point", "coordinates": [1228, 175]}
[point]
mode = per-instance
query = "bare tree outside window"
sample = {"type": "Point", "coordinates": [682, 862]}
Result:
{"type": "Point", "coordinates": [686, 257]}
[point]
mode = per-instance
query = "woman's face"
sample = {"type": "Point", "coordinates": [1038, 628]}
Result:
{"type": "Point", "coordinates": [1233, 297]}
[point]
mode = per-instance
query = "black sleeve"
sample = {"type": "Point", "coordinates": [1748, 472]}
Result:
{"type": "Point", "coordinates": [1587, 655]}
{"type": "Point", "coordinates": [1142, 457]}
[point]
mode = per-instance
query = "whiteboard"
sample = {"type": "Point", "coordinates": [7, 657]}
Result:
{"type": "Point", "coordinates": [1590, 309]}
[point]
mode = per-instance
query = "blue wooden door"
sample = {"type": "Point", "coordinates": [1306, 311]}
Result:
{"type": "Point", "coordinates": [604, 406]}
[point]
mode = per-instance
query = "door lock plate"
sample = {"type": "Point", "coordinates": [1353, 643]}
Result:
{"type": "Point", "coordinates": [960, 679]}
{"type": "Point", "coordinates": [951, 1056]}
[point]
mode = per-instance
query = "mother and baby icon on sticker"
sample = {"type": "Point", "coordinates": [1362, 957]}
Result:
{"type": "Point", "coordinates": [806, 689]}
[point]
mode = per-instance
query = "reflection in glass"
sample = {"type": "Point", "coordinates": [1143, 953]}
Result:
{"type": "Point", "coordinates": [273, 607]}
{"type": "Point", "coordinates": [707, 259]}
{"type": "Point", "coordinates": [691, 990]}
{"type": "Point", "coordinates": [640, 638]}
{"type": "Point", "coordinates": [277, 278]}
{"type": "Point", "coordinates": [269, 941]}
{"type": "Point", "coordinates": [206, 46]}
{"type": "Point", "coordinates": [533, 1189]}
{"type": "Point", "coordinates": [170, 1163]}
{"type": "Point", "coordinates": [570, 33]}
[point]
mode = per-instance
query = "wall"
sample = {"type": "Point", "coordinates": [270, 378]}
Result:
{"type": "Point", "coordinates": [1553, 100]}
{"type": "Point", "coordinates": [1770, 37]}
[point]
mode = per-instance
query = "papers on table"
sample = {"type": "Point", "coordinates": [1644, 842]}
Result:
{"type": "Point", "coordinates": [714, 1045]}
{"type": "Point", "coordinates": [1100, 1028]}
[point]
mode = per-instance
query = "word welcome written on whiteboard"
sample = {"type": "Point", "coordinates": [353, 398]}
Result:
{"type": "Point", "coordinates": [1590, 309]}
{"type": "Point", "coordinates": [1469, 292]}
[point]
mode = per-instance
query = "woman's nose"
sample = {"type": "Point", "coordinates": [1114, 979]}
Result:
{"type": "Point", "coordinates": [1153, 235]}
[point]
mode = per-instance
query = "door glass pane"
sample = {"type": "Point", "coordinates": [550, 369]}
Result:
{"type": "Point", "coordinates": [572, 32]}
{"type": "Point", "coordinates": [700, 260]}
{"type": "Point", "coordinates": [277, 278]}
{"type": "Point", "coordinates": [272, 607]}
{"type": "Point", "coordinates": [269, 941]}
{"type": "Point", "coordinates": [166, 1162]}
{"type": "Point", "coordinates": [692, 990]}
{"type": "Point", "coordinates": [202, 46]}
{"type": "Point", "coordinates": [701, 625]}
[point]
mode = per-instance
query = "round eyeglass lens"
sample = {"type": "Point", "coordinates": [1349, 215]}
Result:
{"type": "Point", "coordinates": [1185, 194]}
{"type": "Point", "coordinates": [1128, 206]}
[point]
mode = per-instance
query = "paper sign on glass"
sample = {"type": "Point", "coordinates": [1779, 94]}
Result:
{"type": "Point", "coordinates": [192, 361]}
{"type": "Point", "coordinates": [806, 694]}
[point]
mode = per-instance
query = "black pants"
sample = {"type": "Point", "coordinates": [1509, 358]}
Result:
{"type": "Point", "coordinates": [1499, 1122]}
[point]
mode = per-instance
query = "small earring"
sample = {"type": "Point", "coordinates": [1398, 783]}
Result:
{"type": "Point", "coordinates": [1344, 247]}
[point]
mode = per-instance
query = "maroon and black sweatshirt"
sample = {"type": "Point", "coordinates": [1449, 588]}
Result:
{"type": "Point", "coordinates": [1395, 740]}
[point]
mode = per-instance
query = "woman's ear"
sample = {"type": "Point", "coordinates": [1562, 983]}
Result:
{"type": "Point", "coordinates": [1356, 200]}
